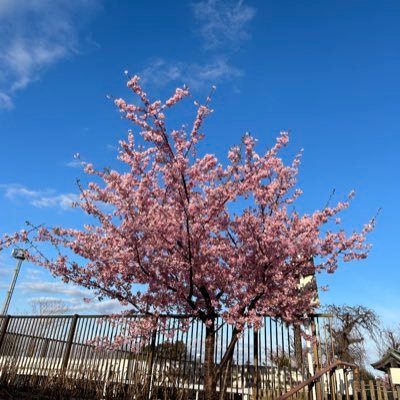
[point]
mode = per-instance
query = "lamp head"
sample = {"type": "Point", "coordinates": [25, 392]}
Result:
{"type": "Point", "coordinates": [19, 254]}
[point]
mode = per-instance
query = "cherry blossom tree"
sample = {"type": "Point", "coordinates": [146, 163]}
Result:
{"type": "Point", "coordinates": [202, 238]}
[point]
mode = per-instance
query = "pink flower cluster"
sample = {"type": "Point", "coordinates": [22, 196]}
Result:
{"type": "Point", "coordinates": [178, 96]}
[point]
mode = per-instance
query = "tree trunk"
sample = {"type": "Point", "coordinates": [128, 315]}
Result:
{"type": "Point", "coordinates": [214, 374]}
{"type": "Point", "coordinates": [298, 350]}
{"type": "Point", "coordinates": [210, 381]}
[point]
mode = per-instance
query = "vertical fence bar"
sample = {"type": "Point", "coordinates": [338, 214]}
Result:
{"type": "Point", "coordinates": [105, 359]}
{"type": "Point", "coordinates": [195, 356]}
{"type": "Point", "coordinates": [29, 365]}
{"type": "Point", "coordinates": [289, 342]}
{"type": "Point", "coordinates": [255, 362]}
{"type": "Point", "coordinates": [178, 359]}
{"type": "Point", "coordinates": [284, 358]}
{"type": "Point", "coordinates": [278, 368]}
{"type": "Point", "coordinates": [266, 375]}
{"type": "Point", "coordinates": [52, 341]}
{"type": "Point", "coordinates": [237, 367]}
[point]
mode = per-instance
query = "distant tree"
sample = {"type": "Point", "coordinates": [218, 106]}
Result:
{"type": "Point", "coordinates": [389, 339]}
{"type": "Point", "coordinates": [173, 351]}
{"type": "Point", "coordinates": [352, 324]}
{"type": "Point", "coordinates": [49, 306]}
{"type": "Point", "coordinates": [202, 239]}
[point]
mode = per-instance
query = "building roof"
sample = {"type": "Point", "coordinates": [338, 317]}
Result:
{"type": "Point", "coordinates": [391, 359]}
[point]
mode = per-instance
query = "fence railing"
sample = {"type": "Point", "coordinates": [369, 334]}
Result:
{"type": "Point", "coordinates": [329, 382]}
{"type": "Point", "coordinates": [266, 362]}
{"type": "Point", "coordinates": [375, 390]}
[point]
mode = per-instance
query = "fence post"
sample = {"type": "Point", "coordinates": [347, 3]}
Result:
{"type": "Point", "coordinates": [4, 326]}
{"type": "Point", "coordinates": [69, 341]}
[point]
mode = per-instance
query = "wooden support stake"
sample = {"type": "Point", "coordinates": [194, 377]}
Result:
{"type": "Point", "coordinates": [4, 326]}
{"type": "Point", "coordinates": [363, 391]}
{"type": "Point", "coordinates": [378, 390]}
{"type": "Point", "coordinates": [69, 342]}
{"type": "Point", "coordinates": [385, 394]}
{"type": "Point", "coordinates": [372, 390]}
{"type": "Point", "coordinates": [356, 389]}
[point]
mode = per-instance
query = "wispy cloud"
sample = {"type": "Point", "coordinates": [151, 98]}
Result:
{"type": "Point", "coordinates": [5, 266]}
{"type": "Point", "coordinates": [109, 306]}
{"type": "Point", "coordinates": [223, 23]}
{"type": "Point", "coordinates": [34, 36]}
{"type": "Point", "coordinates": [40, 198]}
{"type": "Point", "coordinates": [64, 200]}
{"type": "Point", "coordinates": [161, 72]}
{"type": "Point", "coordinates": [14, 190]}
{"type": "Point", "coordinates": [5, 271]}
{"type": "Point", "coordinates": [53, 288]}
{"type": "Point", "coordinates": [74, 164]}
{"type": "Point", "coordinates": [222, 27]}
{"type": "Point", "coordinates": [70, 296]}
{"type": "Point", "coordinates": [35, 273]}
{"type": "Point", "coordinates": [6, 102]}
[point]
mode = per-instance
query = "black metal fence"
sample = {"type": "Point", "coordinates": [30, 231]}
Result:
{"type": "Point", "coordinates": [266, 362]}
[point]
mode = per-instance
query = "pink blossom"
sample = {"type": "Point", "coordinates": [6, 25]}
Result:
{"type": "Point", "coordinates": [178, 96]}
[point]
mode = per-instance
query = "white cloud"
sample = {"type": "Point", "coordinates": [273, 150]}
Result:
{"type": "Point", "coordinates": [34, 273]}
{"type": "Point", "coordinates": [14, 190]}
{"type": "Point", "coordinates": [109, 306]}
{"type": "Point", "coordinates": [63, 201]}
{"type": "Point", "coordinates": [222, 27]}
{"type": "Point", "coordinates": [71, 297]}
{"type": "Point", "coordinates": [6, 102]}
{"type": "Point", "coordinates": [223, 23]}
{"type": "Point", "coordinates": [34, 35]}
{"type": "Point", "coordinates": [44, 299]}
{"type": "Point", "coordinates": [58, 288]}
{"type": "Point", "coordinates": [40, 198]}
{"type": "Point", "coordinates": [5, 268]}
{"type": "Point", "coordinates": [160, 72]}
{"type": "Point", "coordinates": [74, 164]}
{"type": "Point", "coordinates": [5, 271]}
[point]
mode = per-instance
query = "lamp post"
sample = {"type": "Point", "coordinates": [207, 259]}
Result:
{"type": "Point", "coordinates": [19, 255]}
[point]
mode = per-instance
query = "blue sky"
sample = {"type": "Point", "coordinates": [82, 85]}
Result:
{"type": "Point", "coordinates": [326, 71]}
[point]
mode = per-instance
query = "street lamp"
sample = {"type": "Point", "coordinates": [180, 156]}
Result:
{"type": "Point", "coordinates": [19, 255]}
